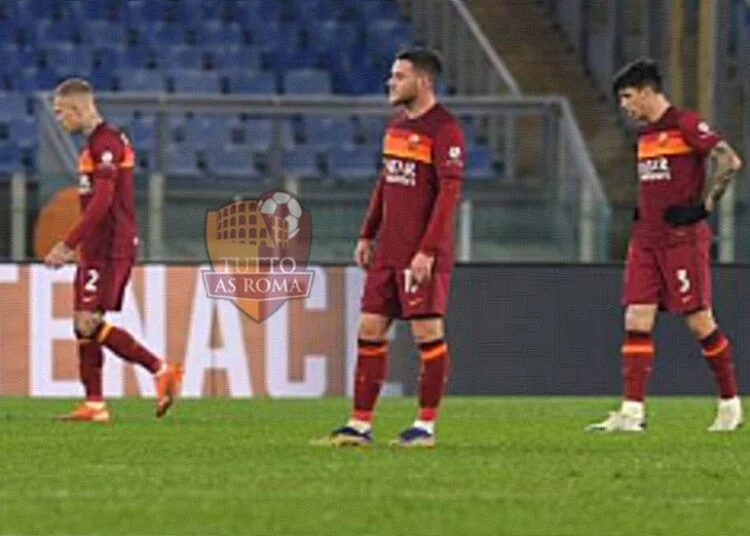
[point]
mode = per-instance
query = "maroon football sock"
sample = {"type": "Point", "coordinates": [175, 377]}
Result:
{"type": "Point", "coordinates": [368, 377]}
{"type": "Point", "coordinates": [432, 375]}
{"type": "Point", "coordinates": [124, 345]}
{"type": "Point", "coordinates": [718, 353]}
{"type": "Point", "coordinates": [637, 361]}
{"type": "Point", "coordinates": [91, 361]}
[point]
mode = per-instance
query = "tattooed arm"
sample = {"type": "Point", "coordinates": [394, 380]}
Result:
{"type": "Point", "coordinates": [725, 163]}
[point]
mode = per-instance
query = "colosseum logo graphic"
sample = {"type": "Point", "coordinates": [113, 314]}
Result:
{"type": "Point", "coordinates": [259, 250]}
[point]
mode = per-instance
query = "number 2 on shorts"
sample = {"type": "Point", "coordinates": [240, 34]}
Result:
{"type": "Point", "coordinates": [92, 277]}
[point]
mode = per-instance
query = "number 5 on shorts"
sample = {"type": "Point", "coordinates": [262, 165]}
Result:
{"type": "Point", "coordinates": [92, 277]}
{"type": "Point", "coordinates": [682, 277]}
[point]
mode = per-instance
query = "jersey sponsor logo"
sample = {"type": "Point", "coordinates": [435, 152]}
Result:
{"type": "Point", "coordinates": [663, 143]}
{"type": "Point", "coordinates": [399, 171]}
{"type": "Point", "coordinates": [407, 145]}
{"type": "Point", "coordinates": [654, 169]}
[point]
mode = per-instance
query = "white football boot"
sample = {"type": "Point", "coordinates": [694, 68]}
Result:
{"type": "Point", "coordinates": [630, 418]}
{"type": "Point", "coordinates": [728, 416]}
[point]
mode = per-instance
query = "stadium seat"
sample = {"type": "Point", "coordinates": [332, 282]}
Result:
{"type": "Point", "coordinates": [180, 56]}
{"type": "Point", "coordinates": [214, 33]}
{"type": "Point", "coordinates": [140, 80]}
{"type": "Point", "coordinates": [256, 83]}
{"type": "Point", "coordinates": [232, 162]}
{"type": "Point", "coordinates": [206, 132]}
{"type": "Point", "coordinates": [10, 158]}
{"type": "Point", "coordinates": [479, 164]}
{"type": "Point", "coordinates": [12, 105]}
{"type": "Point", "coordinates": [33, 79]}
{"type": "Point", "coordinates": [352, 163]}
{"type": "Point", "coordinates": [193, 81]}
{"type": "Point", "coordinates": [162, 34]}
{"type": "Point", "coordinates": [182, 162]}
{"type": "Point", "coordinates": [325, 132]}
{"type": "Point", "coordinates": [23, 132]}
{"type": "Point", "coordinates": [103, 32]}
{"type": "Point", "coordinates": [259, 134]}
{"type": "Point", "coordinates": [302, 162]}
{"type": "Point", "coordinates": [68, 58]}
{"type": "Point", "coordinates": [371, 129]}
{"type": "Point", "coordinates": [143, 131]}
{"type": "Point", "coordinates": [307, 82]}
{"type": "Point", "coordinates": [235, 57]}
{"type": "Point", "coordinates": [48, 31]}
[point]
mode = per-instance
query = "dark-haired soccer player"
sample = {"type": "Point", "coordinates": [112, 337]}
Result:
{"type": "Point", "coordinates": [408, 271]}
{"type": "Point", "coordinates": [668, 262]}
{"type": "Point", "coordinates": [107, 238]}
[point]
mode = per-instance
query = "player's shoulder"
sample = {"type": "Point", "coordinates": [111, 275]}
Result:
{"type": "Point", "coordinates": [687, 118]}
{"type": "Point", "coordinates": [107, 134]}
{"type": "Point", "coordinates": [443, 116]}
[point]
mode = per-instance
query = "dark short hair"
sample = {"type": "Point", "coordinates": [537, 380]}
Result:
{"type": "Point", "coordinates": [423, 59]}
{"type": "Point", "coordinates": [638, 74]}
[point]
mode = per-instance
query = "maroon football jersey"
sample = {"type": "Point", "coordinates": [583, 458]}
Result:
{"type": "Point", "coordinates": [421, 158]}
{"type": "Point", "coordinates": [107, 229]}
{"type": "Point", "coordinates": [671, 171]}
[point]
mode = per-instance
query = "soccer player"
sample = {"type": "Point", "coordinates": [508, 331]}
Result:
{"type": "Point", "coordinates": [408, 271]}
{"type": "Point", "coordinates": [668, 260]}
{"type": "Point", "coordinates": [106, 236]}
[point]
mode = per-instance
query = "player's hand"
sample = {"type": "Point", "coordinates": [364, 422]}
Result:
{"type": "Point", "coordinates": [421, 267]}
{"type": "Point", "coordinates": [58, 255]}
{"type": "Point", "coordinates": [678, 215]}
{"type": "Point", "coordinates": [363, 253]}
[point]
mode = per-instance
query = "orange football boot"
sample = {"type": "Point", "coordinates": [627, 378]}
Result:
{"type": "Point", "coordinates": [86, 413]}
{"type": "Point", "coordinates": [167, 387]}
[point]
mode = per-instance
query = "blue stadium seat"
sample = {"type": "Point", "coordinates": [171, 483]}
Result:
{"type": "Point", "coordinates": [8, 31]}
{"type": "Point", "coordinates": [103, 32]}
{"type": "Point", "coordinates": [235, 57]}
{"type": "Point", "coordinates": [102, 9]}
{"type": "Point", "coordinates": [33, 79]}
{"type": "Point", "coordinates": [479, 164]}
{"type": "Point", "coordinates": [308, 10]}
{"type": "Point", "coordinates": [259, 134]}
{"type": "Point", "coordinates": [385, 37]}
{"type": "Point", "coordinates": [214, 33]}
{"type": "Point", "coordinates": [302, 161]}
{"type": "Point", "coordinates": [209, 132]}
{"type": "Point", "coordinates": [108, 58]}
{"type": "Point", "coordinates": [68, 58]}
{"type": "Point", "coordinates": [352, 163]}
{"type": "Point", "coordinates": [250, 12]}
{"type": "Point", "coordinates": [182, 162]}
{"type": "Point", "coordinates": [140, 80]}
{"type": "Point", "coordinates": [378, 9]}
{"type": "Point", "coordinates": [469, 129]}
{"type": "Point", "coordinates": [103, 80]}
{"type": "Point", "coordinates": [181, 56]}
{"type": "Point", "coordinates": [232, 162]}
{"type": "Point", "coordinates": [307, 82]}
{"type": "Point", "coordinates": [331, 35]}
{"type": "Point", "coordinates": [39, 9]}
{"type": "Point", "coordinates": [285, 59]}
{"type": "Point", "coordinates": [371, 129]}
{"type": "Point", "coordinates": [10, 158]}
{"type": "Point", "coordinates": [143, 132]}
{"type": "Point", "coordinates": [48, 31]}
{"type": "Point", "coordinates": [23, 132]}
{"type": "Point", "coordinates": [133, 57]}
{"type": "Point", "coordinates": [163, 34]}
{"type": "Point", "coordinates": [15, 57]}
{"type": "Point", "coordinates": [193, 81]}
{"type": "Point", "coordinates": [256, 83]}
{"type": "Point", "coordinates": [325, 132]}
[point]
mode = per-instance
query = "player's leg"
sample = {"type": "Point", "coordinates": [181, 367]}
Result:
{"type": "Point", "coordinates": [717, 350]}
{"type": "Point", "coordinates": [688, 279]}
{"type": "Point", "coordinates": [641, 296]}
{"type": "Point", "coordinates": [424, 305]}
{"type": "Point", "coordinates": [378, 309]}
{"type": "Point", "coordinates": [167, 377]}
{"type": "Point", "coordinates": [91, 361]}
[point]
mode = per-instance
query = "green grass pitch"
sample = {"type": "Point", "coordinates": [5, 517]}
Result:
{"type": "Point", "coordinates": [503, 466]}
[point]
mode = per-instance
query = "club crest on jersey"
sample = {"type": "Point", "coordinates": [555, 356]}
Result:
{"type": "Point", "coordinates": [663, 139]}
{"type": "Point", "coordinates": [413, 141]}
{"type": "Point", "coordinates": [84, 184]}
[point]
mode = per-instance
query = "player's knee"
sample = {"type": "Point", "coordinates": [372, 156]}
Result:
{"type": "Point", "coordinates": [426, 330]}
{"type": "Point", "coordinates": [701, 323]}
{"type": "Point", "coordinates": [372, 328]}
{"type": "Point", "coordinates": [86, 323]}
{"type": "Point", "coordinates": [640, 318]}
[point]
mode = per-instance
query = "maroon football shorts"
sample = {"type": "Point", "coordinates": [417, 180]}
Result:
{"type": "Point", "coordinates": [100, 284]}
{"type": "Point", "coordinates": [676, 277]}
{"type": "Point", "coordinates": [393, 293]}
